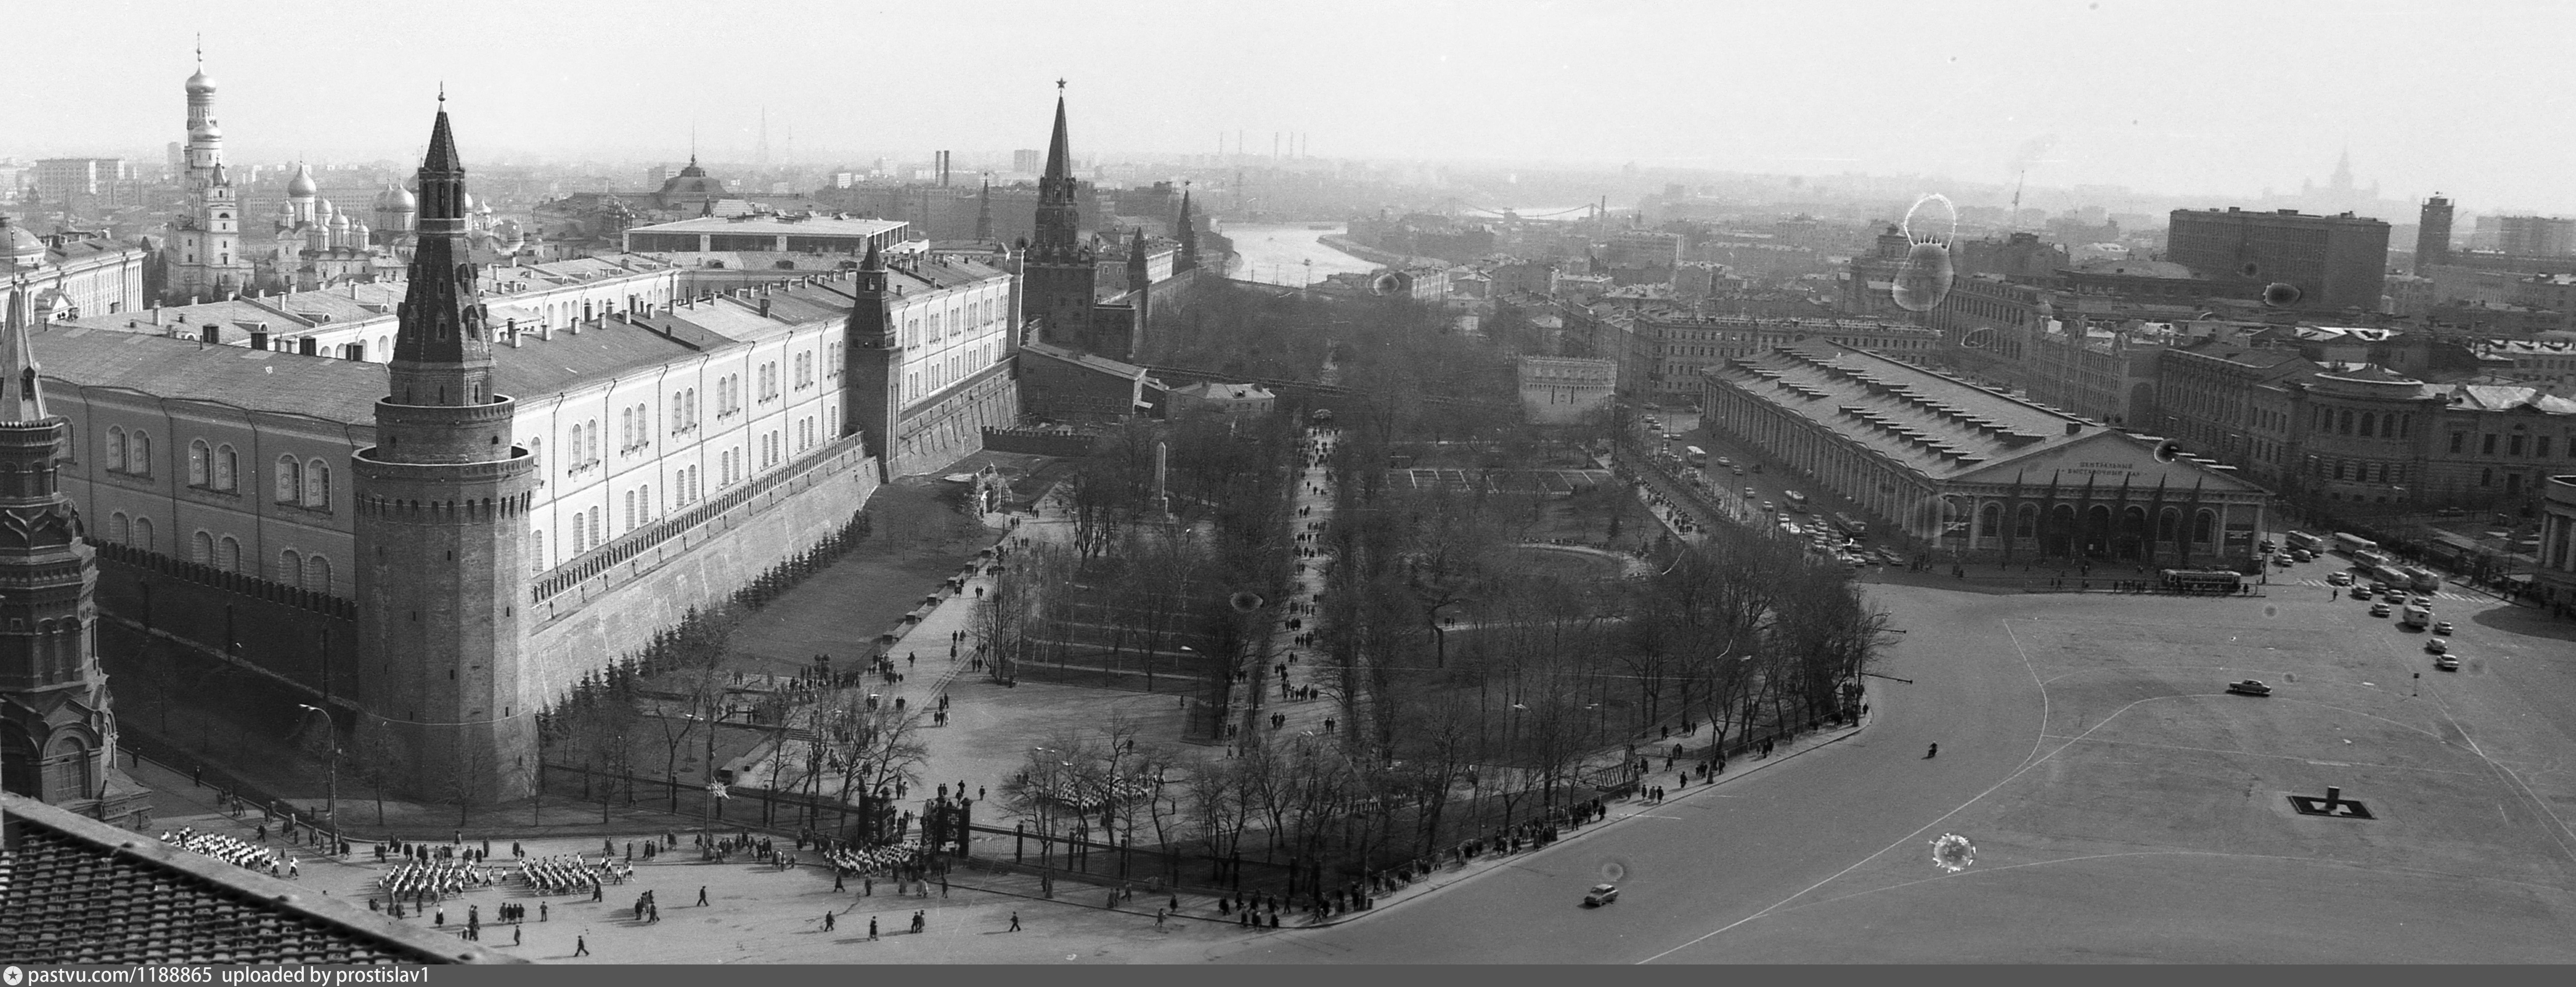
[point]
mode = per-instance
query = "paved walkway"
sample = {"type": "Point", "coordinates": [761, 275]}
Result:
{"type": "Point", "coordinates": [1296, 665]}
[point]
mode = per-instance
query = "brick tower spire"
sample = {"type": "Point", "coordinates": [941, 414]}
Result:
{"type": "Point", "coordinates": [441, 504]}
{"type": "Point", "coordinates": [873, 364]}
{"type": "Point", "coordinates": [1057, 276]}
{"type": "Point", "coordinates": [57, 725]}
{"type": "Point", "coordinates": [1188, 257]}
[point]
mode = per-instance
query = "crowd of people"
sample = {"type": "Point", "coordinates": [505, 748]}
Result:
{"type": "Point", "coordinates": [229, 849]}
{"type": "Point", "coordinates": [570, 873]}
{"type": "Point", "coordinates": [419, 880]}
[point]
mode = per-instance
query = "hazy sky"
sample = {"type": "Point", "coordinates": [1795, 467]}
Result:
{"type": "Point", "coordinates": [2219, 97]}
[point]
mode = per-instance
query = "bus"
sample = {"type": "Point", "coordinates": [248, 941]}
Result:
{"type": "Point", "coordinates": [2203, 581]}
{"type": "Point", "coordinates": [1852, 526]}
{"type": "Point", "coordinates": [2346, 543]}
{"type": "Point", "coordinates": [2420, 579]}
{"type": "Point", "coordinates": [2302, 539]}
{"type": "Point", "coordinates": [1695, 455]}
{"type": "Point", "coordinates": [2366, 560]}
{"type": "Point", "coordinates": [1797, 501]}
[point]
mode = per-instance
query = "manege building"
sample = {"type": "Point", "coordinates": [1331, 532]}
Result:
{"type": "Point", "coordinates": [1971, 473]}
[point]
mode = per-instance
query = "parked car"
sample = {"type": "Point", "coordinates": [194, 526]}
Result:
{"type": "Point", "coordinates": [2249, 687]}
{"type": "Point", "coordinates": [1601, 894]}
{"type": "Point", "coordinates": [2447, 663]}
{"type": "Point", "coordinates": [2302, 555]}
{"type": "Point", "coordinates": [2360, 592]}
{"type": "Point", "coordinates": [2379, 610]}
{"type": "Point", "coordinates": [2437, 645]}
{"type": "Point", "coordinates": [2442, 627]}
{"type": "Point", "coordinates": [2264, 546]}
{"type": "Point", "coordinates": [2339, 579]}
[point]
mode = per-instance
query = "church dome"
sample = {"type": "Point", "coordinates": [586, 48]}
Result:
{"type": "Point", "coordinates": [469, 202]}
{"type": "Point", "coordinates": [201, 82]}
{"type": "Point", "coordinates": [395, 199]}
{"type": "Point", "coordinates": [325, 209]}
{"type": "Point", "coordinates": [207, 131]}
{"type": "Point", "coordinates": [301, 186]}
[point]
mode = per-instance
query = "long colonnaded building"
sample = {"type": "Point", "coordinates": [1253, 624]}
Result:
{"type": "Point", "coordinates": [370, 533]}
{"type": "Point", "coordinates": [1974, 474]}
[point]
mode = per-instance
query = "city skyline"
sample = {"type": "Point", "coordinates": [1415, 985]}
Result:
{"type": "Point", "coordinates": [1439, 83]}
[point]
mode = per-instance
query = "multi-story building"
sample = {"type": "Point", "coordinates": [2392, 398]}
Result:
{"type": "Point", "coordinates": [2554, 579]}
{"type": "Point", "coordinates": [1662, 351]}
{"type": "Point", "coordinates": [443, 544]}
{"type": "Point", "coordinates": [2549, 364]}
{"type": "Point", "coordinates": [1971, 473]}
{"type": "Point", "coordinates": [2336, 262]}
{"type": "Point", "coordinates": [2206, 398]}
{"type": "Point", "coordinates": [68, 276]}
{"type": "Point", "coordinates": [2105, 373]}
{"type": "Point", "coordinates": [75, 179]}
{"type": "Point", "coordinates": [1565, 390]}
{"type": "Point", "coordinates": [2433, 235]}
{"type": "Point", "coordinates": [2522, 236]}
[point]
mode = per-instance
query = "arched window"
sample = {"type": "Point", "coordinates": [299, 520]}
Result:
{"type": "Point", "coordinates": [2369, 423]}
{"type": "Point", "coordinates": [142, 534]}
{"type": "Point", "coordinates": [2344, 426]}
{"type": "Point", "coordinates": [630, 510]}
{"type": "Point", "coordinates": [591, 452]}
{"type": "Point", "coordinates": [574, 440]}
{"type": "Point", "coordinates": [580, 543]}
{"type": "Point", "coordinates": [228, 554]}
{"type": "Point", "coordinates": [317, 573]}
{"type": "Point", "coordinates": [67, 769]}
{"type": "Point", "coordinates": [116, 449]}
{"type": "Point", "coordinates": [201, 548]}
{"type": "Point", "coordinates": [2204, 527]}
{"type": "Point", "coordinates": [290, 480]}
{"type": "Point", "coordinates": [317, 485]}
{"type": "Point", "coordinates": [119, 527]}
{"type": "Point", "coordinates": [199, 462]}
{"type": "Point", "coordinates": [290, 567]}
{"type": "Point", "coordinates": [595, 526]}
{"type": "Point", "coordinates": [1990, 522]}
{"type": "Point", "coordinates": [536, 551]}
{"type": "Point", "coordinates": [227, 469]}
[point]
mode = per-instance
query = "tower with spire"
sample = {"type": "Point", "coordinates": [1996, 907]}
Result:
{"type": "Point", "coordinates": [57, 723]}
{"type": "Point", "coordinates": [204, 258]}
{"type": "Point", "coordinates": [441, 505]}
{"type": "Point", "coordinates": [1058, 273]}
{"type": "Point", "coordinates": [873, 361]}
{"type": "Point", "coordinates": [984, 212]}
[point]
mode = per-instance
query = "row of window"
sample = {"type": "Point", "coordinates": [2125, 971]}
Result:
{"type": "Point", "coordinates": [2514, 444]}
{"type": "Point", "coordinates": [2362, 470]}
{"type": "Point", "coordinates": [2390, 426]}
{"type": "Point", "coordinates": [305, 483]}
{"type": "Point", "coordinates": [955, 322]}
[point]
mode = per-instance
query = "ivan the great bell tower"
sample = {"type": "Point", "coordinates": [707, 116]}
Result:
{"type": "Point", "coordinates": [442, 499]}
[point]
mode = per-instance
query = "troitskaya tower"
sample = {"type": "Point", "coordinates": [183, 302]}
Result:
{"type": "Point", "coordinates": [57, 727]}
{"type": "Point", "coordinates": [1059, 271]}
{"type": "Point", "coordinates": [442, 499]}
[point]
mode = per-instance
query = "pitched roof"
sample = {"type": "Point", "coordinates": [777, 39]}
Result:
{"type": "Point", "coordinates": [773, 225]}
{"type": "Point", "coordinates": [81, 891]}
{"type": "Point", "coordinates": [540, 367]}
{"type": "Point", "coordinates": [333, 390]}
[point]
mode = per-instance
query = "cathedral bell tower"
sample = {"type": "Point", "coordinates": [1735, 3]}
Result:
{"type": "Point", "coordinates": [442, 499]}
{"type": "Point", "coordinates": [57, 727]}
{"type": "Point", "coordinates": [874, 364]}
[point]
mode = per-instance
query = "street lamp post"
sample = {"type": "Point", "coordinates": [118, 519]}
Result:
{"type": "Point", "coordinates": [331, 775]}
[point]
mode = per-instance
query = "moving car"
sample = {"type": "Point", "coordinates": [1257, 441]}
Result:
{"type": "Point", "coordinates": [1749, 494]}
{"type": "Point", "coordinates": [2339, 579]}
{"type": "Point", "coordinates": [2263, 546]}
{"type": "Point", "coordinates": [2361, 592]}
{"type": "Point", "coordinates": [2442, 627]}
{"type": "Point", "coordinates": [2303, 555]}
{"type": "Point", "coordinates": [2447, 663]}
{"type": "Point", "coordinates": [2437, 645]}
{"type": "Point", "coordinates": [1723, 461]}
{"type": "Point", "coordinates": [1601, 894]}
{"type": "Point", "coordinates": [1739, 471]}
{"type": "Point", "coordinates": [2379, 610]}
{"type": "Point", "coordinates": [2249, 687]}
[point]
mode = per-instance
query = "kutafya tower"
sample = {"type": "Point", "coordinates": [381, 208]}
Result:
{"type": "Point", "coordinates": [442, 499]}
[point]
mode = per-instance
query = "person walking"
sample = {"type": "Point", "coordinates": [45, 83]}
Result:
{"type": "Point", "coordinates": [1015, 921]}
{"type": "Point", "coordinates": [872, 928]}
{"type": "Point", "coordinates": [1935, 751]}
{"type": "Point", "coordinates": [827, 920]}
{"type": "Point", "coordinates": [580, 946]}
{"type": "Point", "coordinates": [702, 896]}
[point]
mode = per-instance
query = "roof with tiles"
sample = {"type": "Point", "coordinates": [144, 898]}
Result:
{"type": "Point", "coordinates": [1933, 424]}
{"type": "Point", "coordinates": [270, 381]}
{"type": "Point", "coordinates": [81, 891]}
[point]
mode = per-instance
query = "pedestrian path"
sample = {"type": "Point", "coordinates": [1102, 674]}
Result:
{"type": "Point", "coordinates": [1294, 665]}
